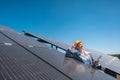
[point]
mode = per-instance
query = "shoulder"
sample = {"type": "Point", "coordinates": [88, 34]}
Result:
{"type": "Point", "coordinates": [89, 53]}
{"type": "Point", "coordinates": [72, 50]}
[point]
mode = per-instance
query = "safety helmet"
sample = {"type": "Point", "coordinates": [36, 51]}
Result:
{"type": "Point", "coordinates": [76, 43]}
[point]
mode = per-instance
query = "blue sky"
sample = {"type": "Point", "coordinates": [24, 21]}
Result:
{"type": "Point", "coordinates": [95, 22]}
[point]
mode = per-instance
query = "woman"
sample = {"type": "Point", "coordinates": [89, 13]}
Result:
{"type": "Point", "coordinates": [81, 55]}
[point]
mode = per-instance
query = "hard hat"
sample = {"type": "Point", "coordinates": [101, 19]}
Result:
{"type": "Point", "coordinates": [76, 43]}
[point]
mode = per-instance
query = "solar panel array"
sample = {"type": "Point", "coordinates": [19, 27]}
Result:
{"type": "Point", "coordinates": [106, 61]}
{"type": "Point", "coordinates": [22, 58]}
{"type": "Point", "coordinates": [18, 63]}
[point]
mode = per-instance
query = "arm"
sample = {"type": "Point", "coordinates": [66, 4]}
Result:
{"type": "Point", "coordinates": [94, 62]}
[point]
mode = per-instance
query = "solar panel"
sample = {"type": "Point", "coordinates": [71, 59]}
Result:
{"type": "Point", "coordinates": [106, 61]}
{"type": "Point", "coordinates": [18, 64]}
{"type": "Point", "coordinates": [23, 40]}
{"type": "Point", "coordinates": [79, 71]}
{"type": "Point", "coordinates": [61, 45]}
{"type": "Point", "coordinates": [40, 62]}
{"type": "Point", "coordinates": [50, 55]}
{"type": "Point", "coordinates": [3, 39]}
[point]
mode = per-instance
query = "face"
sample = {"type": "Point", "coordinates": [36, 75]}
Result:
{"type": "Point", "coordinates": [79, 46]}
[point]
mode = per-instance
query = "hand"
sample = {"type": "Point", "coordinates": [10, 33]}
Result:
{"type": "Point", "coordinates": [96, 62]}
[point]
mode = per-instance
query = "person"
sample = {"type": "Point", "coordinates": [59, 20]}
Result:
{"type": "Point", "coordinates": [80, 54]}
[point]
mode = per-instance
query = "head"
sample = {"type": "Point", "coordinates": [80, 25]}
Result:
{"type": "Point", "coordinates": [77, 45]}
